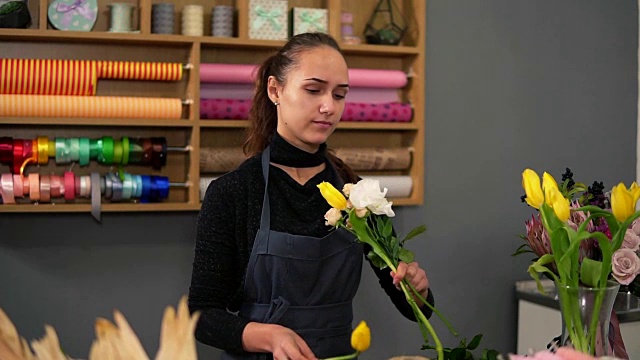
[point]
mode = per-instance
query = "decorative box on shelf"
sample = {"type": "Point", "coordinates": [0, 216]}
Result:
{"type": "Point", "coordinates": [268, 19]}
{"type": "Point", "coordinates": [74, 15]}
{"type": "Point", "coordinates": [308, 20]}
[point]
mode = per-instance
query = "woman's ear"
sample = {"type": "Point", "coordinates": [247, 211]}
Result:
{"type": "Point", "coordinates": [273, 89]}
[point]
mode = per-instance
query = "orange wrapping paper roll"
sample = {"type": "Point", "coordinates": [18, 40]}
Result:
{"type": "Point", "coordinates": [90, 106]}
{"type": "Point", "coordinates": [48, 77]}
{"type": "Point", "coordinates": [135, 70]}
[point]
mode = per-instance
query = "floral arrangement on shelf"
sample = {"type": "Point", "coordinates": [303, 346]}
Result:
{"type": "Point", "coordinates": [363, 209]}
{"type": "Point", "coordinates": [114, 341]}
{"type": "Point", "coordinates": [582, 237]}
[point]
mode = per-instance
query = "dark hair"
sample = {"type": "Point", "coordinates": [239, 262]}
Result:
{"type": "Point", "coordinates": [263, 114]}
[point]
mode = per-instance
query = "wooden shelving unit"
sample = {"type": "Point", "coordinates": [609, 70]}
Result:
{"type": "Point", "coordinates": [41, 41]}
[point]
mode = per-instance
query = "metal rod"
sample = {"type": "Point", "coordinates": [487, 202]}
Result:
{"type": "Point", "coordinates": [186, 148]}
{"type": "Point", "coordinates": [187, 101]}
{"type": "Point", "coordinates": [187, 66]}
{"type": "Point", "coordinates": [182, 184]}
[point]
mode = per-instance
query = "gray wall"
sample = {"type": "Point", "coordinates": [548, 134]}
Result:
{"type": "Point", "coordinates": [510, 84]}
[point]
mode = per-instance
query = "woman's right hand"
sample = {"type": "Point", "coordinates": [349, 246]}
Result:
{"type": "Point", "coordinates": [282, 342]}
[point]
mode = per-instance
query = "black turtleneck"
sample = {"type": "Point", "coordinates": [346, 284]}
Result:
{"type": "Point", "coordinates": [228, 222]}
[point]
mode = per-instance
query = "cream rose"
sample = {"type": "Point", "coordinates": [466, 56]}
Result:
{"type": "Point", "coordinates": [332, 217]}
{"type": "Point", "coordinates": [631, 240]}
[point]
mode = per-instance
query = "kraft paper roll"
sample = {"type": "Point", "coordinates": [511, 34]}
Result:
{"type": "Point", "coordinates": [90, 106]}
{"type": "Point", "coordinates": [375, 158]}
{"type": "Point", "coordinates": [220, 160]}
{"type": "Point", "coordinates": [204, 184]}
{"type": "Point", "coordinates": [244, 73]}
{"type": "Point", "coordinates": [398, 186]}
{"type": "Point", "coordinates": [48, 77]}
{"type": "Point", "coordinates": [137, 70]}
{"type": "Point", "coordinates": [226, 91]}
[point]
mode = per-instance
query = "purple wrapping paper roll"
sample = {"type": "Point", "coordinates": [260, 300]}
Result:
{"type": "Point", "coordinates": [245, 74]}
{"type": "Point", "coordinates": [236, 109]}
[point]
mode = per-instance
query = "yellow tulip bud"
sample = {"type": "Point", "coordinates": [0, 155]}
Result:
{"type": "Point", "coordinates": [361, 337]}
{"type": "Point", "coordinates": [332, 195]}
{"type": "Point", "coordinates": [623, 201]}
{"type": "Point", "coordinates": [532, 188]}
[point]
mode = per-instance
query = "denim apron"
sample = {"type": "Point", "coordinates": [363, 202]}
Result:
{"type": "Point", "coordinates": [302, 282]}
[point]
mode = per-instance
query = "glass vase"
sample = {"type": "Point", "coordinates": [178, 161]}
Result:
{"type": "Point", "coordinates": [586, 313]}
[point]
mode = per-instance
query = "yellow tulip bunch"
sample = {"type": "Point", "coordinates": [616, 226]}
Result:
{"type": "Point", "coordinates": [571, 269]}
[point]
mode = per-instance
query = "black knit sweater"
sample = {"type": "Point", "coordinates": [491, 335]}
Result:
{"type": "Point", "coordinates": [227, 225]}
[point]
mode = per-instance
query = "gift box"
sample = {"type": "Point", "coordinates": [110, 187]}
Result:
{"type": "Point", "coordinates": [268, 19]}
{"type": "Point", "coordinates": [308, 20]}
{"type": "Point", "coordinates": [74, 15]}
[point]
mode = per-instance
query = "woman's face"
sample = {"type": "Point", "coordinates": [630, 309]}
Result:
{"type": "Point", "coordinates": [312, 98]}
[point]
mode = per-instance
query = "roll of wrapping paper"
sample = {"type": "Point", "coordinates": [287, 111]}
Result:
{"type": "Point", "coordinates": [90, 106]}
{"type": "Point", "coordinates": [204, 184]}
{"type": "Point", "coordinates": [236, 109]}
{"type": "Point", "coordinates": [398, 186]}
{"type": "Point", "coordinates": [48, 77]}
{"type": "Point", "coordinates": [244, 73]}
{"type": "Point", "coordinates": [136, 70]}
{"type": "Point", "coordinates": [374, 158]}
{"type": "Point", "coordinates": [220, 160]}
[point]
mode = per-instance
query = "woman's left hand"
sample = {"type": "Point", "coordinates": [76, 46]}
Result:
{"type": "Point", "coordinates": [416, 276]}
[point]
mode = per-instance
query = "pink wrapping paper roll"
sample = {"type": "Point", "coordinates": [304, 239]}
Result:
{"type": "Point", "coordinates": [48, 77]}
{"type": "Point", "coordinates": [229, 109]}
{"type": "Point", "coordinates": [90, 106]}
{"type": "Point", "coordinates": [227, 73]}
{"type": "Point", "coordinates": [136, 70]}
{"type": "Point", "coordinates": [235, 109]}
{"type": "Point", "coordinates": [244, 74]}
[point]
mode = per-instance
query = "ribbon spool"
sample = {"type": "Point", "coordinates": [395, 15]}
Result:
{"type": "Point", "coordinates": [162, 18]}
{"type": "Point", "coordinates": [192, 20]}
{"type": "Point", "coordinates": [121, 14]}
{"type": "Point", "coordinates": [222, 21]}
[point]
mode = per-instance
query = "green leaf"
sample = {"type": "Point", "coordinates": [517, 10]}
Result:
{"type": "Point", "coordinates": [539, 267]}
{"type": "Point", "coordinates": [376, 260]}
{"type": "Point", "coordinates": [395, 247]}
{"type": "Point", "coordinates": [474, 342]}
{"type": "Point", "coordinates": [406, 255]}
{"type": "Point", "coordinates": [415, 232]}
{"type": "Point", "coordinates": [388, 227]}
{"type": "Point", "coordinates": [522, 249]}
{"type": "Point", "coordinates": [490, 354]}
{"type": "Point", "coordinates": [590, 272]}
{"type": "Point", "coordinates": [458, 354]}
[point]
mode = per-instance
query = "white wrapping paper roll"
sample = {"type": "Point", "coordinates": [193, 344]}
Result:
{"type": "Point", "coordinates": [398, 186]}
{"type": "Point", "coordinates": [204, 184]}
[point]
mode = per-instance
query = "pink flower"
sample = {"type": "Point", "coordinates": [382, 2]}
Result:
{"type": "Point", "coordinates": [631, 240]}
{"type": "Point", "coordinates": [625, 265]}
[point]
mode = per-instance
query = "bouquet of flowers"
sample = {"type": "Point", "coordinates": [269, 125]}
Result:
{"type": "Point", "coordinates": [363, 210]}
{"type": "Point", "coordinates": [584, 238]}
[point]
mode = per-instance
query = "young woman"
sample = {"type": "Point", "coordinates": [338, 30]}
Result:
{"type": "Point", "coordinates": [271, 280]}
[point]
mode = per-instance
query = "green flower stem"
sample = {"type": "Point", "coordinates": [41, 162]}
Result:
{"type": "Point", "coordinates": [594, 320]}
{"type": "Point", "coordinates": [419, 314]}
{"type": "Point", "coordinates": [344, 357]}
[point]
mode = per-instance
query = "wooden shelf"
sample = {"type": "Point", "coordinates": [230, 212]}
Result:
{"type": "Point", "coordinates": [41, 41]}
{"type": "Point", "coordinates": [96, 122]}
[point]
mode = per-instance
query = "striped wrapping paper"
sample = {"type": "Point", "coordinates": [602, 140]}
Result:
{"type": "Point", "coordinates": [90, 106]}
{"type": "Point", "coordinates": [136, 70]}
{"type": "Point", "coordinates": [48, 77]}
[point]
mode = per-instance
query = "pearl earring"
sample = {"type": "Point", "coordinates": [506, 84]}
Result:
{"type": "Point", "coordinates": [276, 103]}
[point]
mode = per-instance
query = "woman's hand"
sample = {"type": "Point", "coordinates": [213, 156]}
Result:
{"type": "Point", "coordinates": [416, 276]}
{"type": "Point", "coordinates": [282, 342]}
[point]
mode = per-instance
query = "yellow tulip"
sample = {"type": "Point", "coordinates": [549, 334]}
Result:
{"type": "Point", "coordinates": [549, 186]}
{"type": "Point", "coordinates": [532, 188]}
{"type": "Point", "coordinates": [560, 205]}
{"type": "Point", "coordinates": [361, 337]}
{"type": "Point", "coordinates": [623, 201]}
{"type": "Point", "coordinates": [635, 191]}
{"type": "Point", "coordinates": [333, 196]}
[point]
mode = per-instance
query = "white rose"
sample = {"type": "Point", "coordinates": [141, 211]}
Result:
{"type": "Point", "coordinates": [332, 216]}
{"type": "Point", "coordinates": [366, 194]}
